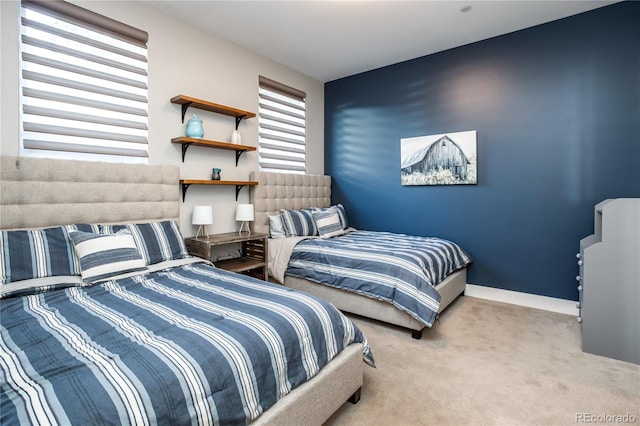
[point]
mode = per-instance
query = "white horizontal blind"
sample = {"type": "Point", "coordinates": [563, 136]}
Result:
{"type": "Point", "coordinates": [84, 83]}
{"type": "Point", "coordinates": [281, 121]}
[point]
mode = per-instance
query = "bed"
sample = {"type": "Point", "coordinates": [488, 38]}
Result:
{"type": "Point", "coordinates": [290, 192]}
{"type": "Point", "coordinates": [141, 332]}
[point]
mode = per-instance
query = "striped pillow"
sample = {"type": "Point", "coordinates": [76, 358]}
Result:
{"type": "Point", "coordinates": [84, 227]}
{"type": "Point", "coordinates": [299, 223]}
{"type": "Point", "coordinates": [328, 222]}
{"type": "Point", "coordinates": [157, 241]}
{"type": "Point", "coordinates": [341, 212]}
{"type": "Point", "coordinates": [36, 253]}
{"type": "Point", "coordinates": [343, 216]}
{"type": "Point", "coordinates": [104, 256]}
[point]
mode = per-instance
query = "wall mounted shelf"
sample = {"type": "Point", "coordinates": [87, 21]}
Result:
{"type": "Point", "coordinates": [185, 183]}
{"type": "Point", "coordinates": [187, 142]}
{"type": "Point", "coordinates": [188, 101]}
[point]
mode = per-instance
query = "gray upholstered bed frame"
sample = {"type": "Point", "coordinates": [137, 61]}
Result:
{"type": "Point", "coordinates": [277, 191]}
{"type": "Point", "coordinates": [39, 193]}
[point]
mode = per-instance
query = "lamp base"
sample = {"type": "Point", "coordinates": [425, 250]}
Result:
{"type": "Point", "coordinates": [242, 226]}
{"type": "Point", "coordinates": [203, 229]}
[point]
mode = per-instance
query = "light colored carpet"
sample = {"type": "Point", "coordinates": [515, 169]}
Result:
{"type": "Point", "coordinates": [490, 363]}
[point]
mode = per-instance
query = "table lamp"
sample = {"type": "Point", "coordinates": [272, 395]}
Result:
{"type": "Point", "coordinates": [203, 216]}
{"type": "Point", "coordinates": [244, 214]}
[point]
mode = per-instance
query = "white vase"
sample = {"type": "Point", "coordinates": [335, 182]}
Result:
{"type": "Point", "coordinates": [235, 138]}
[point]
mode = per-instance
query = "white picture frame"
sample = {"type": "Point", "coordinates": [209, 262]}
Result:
{"type": "Point", "coordinates": [443, 159]}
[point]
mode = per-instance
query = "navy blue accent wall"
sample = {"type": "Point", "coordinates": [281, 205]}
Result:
{"type": "Point", "coordinates": [557, 113]}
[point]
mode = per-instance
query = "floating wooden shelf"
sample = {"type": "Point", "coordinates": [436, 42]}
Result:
{"type": "Point", "coordinates": [187, 142]}
{"type": "Point", "coordinates": [188, 101]}
{"type": "Point", "coordinates": [238, 114]}
{"type": "Point", "coordinates": [185, 183]}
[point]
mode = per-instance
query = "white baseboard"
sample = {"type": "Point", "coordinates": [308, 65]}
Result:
{"type": "Point", "coordinates": [523, 299]}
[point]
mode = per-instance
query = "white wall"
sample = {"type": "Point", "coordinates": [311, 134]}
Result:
{"type": "Point", "coordinates": [183, 60]}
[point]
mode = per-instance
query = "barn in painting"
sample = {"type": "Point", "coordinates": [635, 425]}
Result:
{"type": "Point", "coordinates": [442, 154]}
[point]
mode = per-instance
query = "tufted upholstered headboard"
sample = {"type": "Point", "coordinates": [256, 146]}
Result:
{"type": "Point", "coordinates": [44, 192]}
{"type": "Point", "coordinates": [277, 191]}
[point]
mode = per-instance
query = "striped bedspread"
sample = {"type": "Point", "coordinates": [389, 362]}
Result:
{"type": "Point", "coordinates": [397, 268]}
{"type": "Point", "coordinates": [188, 345]}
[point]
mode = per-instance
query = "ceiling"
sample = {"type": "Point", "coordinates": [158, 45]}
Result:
{"type": "Point", "coordinates": [328, 40]}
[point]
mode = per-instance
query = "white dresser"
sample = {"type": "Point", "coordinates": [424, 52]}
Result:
{"type": "Point", "coordinates": [609, 281]}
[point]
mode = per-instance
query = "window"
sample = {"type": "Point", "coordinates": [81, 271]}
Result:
{"type": "Point", "coordinates": [281, 119]}
{"type": "Point", "coordinates": [84, 84]}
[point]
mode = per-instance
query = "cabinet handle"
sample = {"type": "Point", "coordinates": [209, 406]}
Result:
{"type": "Point", "coordinates": [578, 255]}
{"type": "Point", "coordinates": [580, 262]}
{"type": "Point", "coordinates": [578, 277]}
{"type": "Point", "coordinates": [579, 288]}
{"type": "Point", "coordinates": [579, 319]}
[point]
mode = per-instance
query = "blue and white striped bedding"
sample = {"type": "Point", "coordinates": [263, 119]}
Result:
{"type": "Point", "coordinates": [187, 345]}
{"type": "Point", "coordinates": [397, 268]}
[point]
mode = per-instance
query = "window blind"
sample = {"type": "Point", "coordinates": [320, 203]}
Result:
{"type": "Point", "coordinates": [84, 82]}
{"type": "Point", "coordinates": [281, 122]}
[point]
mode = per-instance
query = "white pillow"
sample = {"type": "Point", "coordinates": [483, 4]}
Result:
{"type": "Point", "coordinates": [276, 227]}
{"type": "Point", "coordinates": [328, 222]}
{"type": "Point", "coordinates": [103, 256]}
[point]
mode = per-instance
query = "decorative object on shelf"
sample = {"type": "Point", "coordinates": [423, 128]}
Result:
{"type": "Point", "coordinates": [215, 174]}
{"type": "Point", "coordinates": [194, 127]}
{"type": "Point", "coordinates": [244, 214]}
{"type": "Point", "coordinates": [203, 216]}
{"type": "Point", "coordinates": [236, 139]}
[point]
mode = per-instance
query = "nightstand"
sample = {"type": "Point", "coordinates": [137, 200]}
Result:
{"type": "Point", "coordinates": [253, 260]}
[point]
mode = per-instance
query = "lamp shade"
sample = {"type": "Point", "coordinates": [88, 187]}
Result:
{"type": "Point", "coordinates": [202, 215]}
{"type": "Point", "coordinates": [244, 212]}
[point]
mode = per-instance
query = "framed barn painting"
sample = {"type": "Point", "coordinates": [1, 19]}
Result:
{"type": "Point", "coordinates": [447, 159]}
